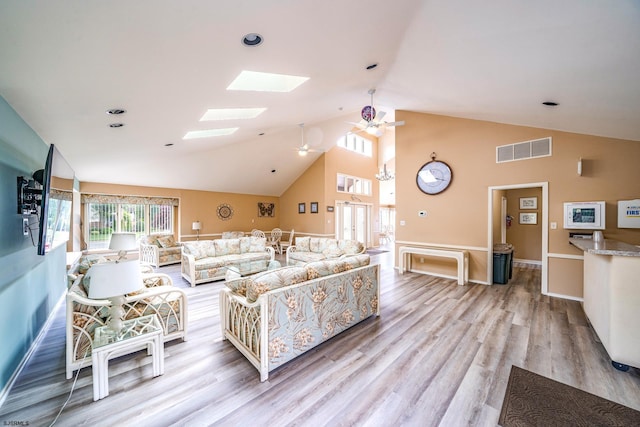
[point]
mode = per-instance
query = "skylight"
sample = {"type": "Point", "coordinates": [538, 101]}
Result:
{"type": "Point", "coordinates": [208, 133]}
{"type": "Point", "coordinates": [266, 82]}
{"type": "Point", "coordinates": [232, 113]}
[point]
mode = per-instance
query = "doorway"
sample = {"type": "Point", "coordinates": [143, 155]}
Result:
{"type": "Point", "coordinates": [353, 221]}
{"type": "Point", "coordinates": [495, 210]}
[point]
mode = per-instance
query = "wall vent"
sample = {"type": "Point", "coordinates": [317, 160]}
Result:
{"type": "Point", "coordinates": [524, 150]}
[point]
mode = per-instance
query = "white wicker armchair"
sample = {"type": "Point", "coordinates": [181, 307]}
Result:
{"type": "Point", "coordinates": [84, 315]}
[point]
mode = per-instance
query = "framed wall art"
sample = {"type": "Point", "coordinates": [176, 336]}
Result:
{"type": "Point", "coordinates": [528, 218]}
{"type": "Point", "coordinates": [313, 207]}
{"type": "Point", "coordinates": [329, 208]}
{"type": "Point", "coordinates": [528, 203]}
{"type": "Point", "coordinates": [266, 209]}
{"type": "Point", "coordinates": [301, 208]}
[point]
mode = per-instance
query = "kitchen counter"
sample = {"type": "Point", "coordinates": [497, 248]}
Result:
{"type": "Point", "coordinates": [611, 298]}
{"type": "Point", "coordinates": [606, 247]}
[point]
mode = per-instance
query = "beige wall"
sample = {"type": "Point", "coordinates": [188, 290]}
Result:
{"type": "Point", "coordinates": [525, 238]}
{"type": "Point", "coordinates": [318, 184]}
{"type": "Point", "coordinates": [458, 216]}
{"type": "Point", "coordinates": [201, 206]}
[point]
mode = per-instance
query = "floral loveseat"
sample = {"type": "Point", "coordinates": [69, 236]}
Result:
{"type": "Point", "coordinates": [159, 249]}
{"type": "Point", "coordinates": [207, 260]}
{"type": "Point", "coordinates": [275, 316]}
{"type": "Point", "coordinates": [84, 315]}
{"type": "Point", "coordinates": [309, 249]}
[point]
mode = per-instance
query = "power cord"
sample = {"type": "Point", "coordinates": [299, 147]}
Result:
{"type": "Point", "coordinates": [71, 392]}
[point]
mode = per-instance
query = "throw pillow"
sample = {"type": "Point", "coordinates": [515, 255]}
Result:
{"type": "Point", "coordinates": [302, 244]}
{"type": "Point", "coordinates": [333, 252]}
{"type": "Point", "coordinates": [166, 241]}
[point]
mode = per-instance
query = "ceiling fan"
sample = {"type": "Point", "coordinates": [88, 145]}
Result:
{"type": "Point", "coordinates": [369, 124]}
{"type": "Point", "coordinates": [303, 149]}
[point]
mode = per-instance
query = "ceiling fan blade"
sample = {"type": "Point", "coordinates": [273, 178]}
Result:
{"type": "Point", "coordinates": [380, 115]}
{"type": "Point", "coordinates": [398, 123]}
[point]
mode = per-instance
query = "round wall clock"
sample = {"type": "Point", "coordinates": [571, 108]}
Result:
{"type": "Point", "coordinates": [434, 177]}
{"type": "Point", "coordinates": [225, 212]}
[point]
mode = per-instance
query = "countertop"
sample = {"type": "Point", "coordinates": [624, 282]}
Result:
{"type": "Point", "coordinates": [606, 247]}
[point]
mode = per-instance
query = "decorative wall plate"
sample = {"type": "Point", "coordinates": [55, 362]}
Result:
{"type": "Point", "coordinates": [225, 212]}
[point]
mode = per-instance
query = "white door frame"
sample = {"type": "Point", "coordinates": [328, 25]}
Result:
{"type": "Point", "coordinates": [545, 230]}
{"type": "Point", "coordinates": [339, 204]}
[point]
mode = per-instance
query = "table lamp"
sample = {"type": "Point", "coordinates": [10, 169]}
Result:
{"type": "Point", "coordinates": [112, 280]}
{"type": "Point", "coordinates": [122, 242]}
{"type": "Point", "coordinates": [197, 226]}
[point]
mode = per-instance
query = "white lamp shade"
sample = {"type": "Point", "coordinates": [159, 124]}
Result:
{"type": "Point", "coordinates": [122, 241]}
{"type": "Point", "coordinates": [196, 225]}
{"type": "Point", "coordinates": [110, 279]}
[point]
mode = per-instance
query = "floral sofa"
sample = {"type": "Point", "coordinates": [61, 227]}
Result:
{"type": "Point", "coordinates": [84, 315]}
{"type": "Point", "coordinates": [309, 249]}
{"type": "Point", "coordinates": [275, 316]}
{"type": "Point", "coordinates": [159, 249]}
{"type": "Point", "coordinates": [208, 260]}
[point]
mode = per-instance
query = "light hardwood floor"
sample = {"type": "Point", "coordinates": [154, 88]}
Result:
{"type": "Point", "coordinates": [439, 354]}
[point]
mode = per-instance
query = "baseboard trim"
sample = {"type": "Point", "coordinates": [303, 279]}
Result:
{"type": "Point", "coordinates": [7, 388]}
{"type": "Point", "coordinates": [569, 297]}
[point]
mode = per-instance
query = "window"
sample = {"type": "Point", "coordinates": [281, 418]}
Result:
{"type": "Point", "coordinates": [105, 215]}
{"type": "Point", "coordinates": [357, 144]}
{"type": "Point", "coordinates": [353, 185]}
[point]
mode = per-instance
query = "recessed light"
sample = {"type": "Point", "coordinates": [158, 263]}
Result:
{"type": "Point", "coordinates": [550, 103]}
{"type": "Point", "coordinates": [266, 82]}
{"type": "Point", "coordinates": [372, 66]}
{"type": "Point", "coordinates": [252, 39]}
{"type": "Point", "coordinates": [168, 144]}
{"type": "Point", "coordinates": [116, 111]}
{"type": "Point", "coordinates": [261, 134]}
{"type": "Point", "coordinates": [209, 132]}
{"type": "Point", "coordinates": [273, 171]}
{"type": "Point", "coordinates": [116, 125]}
{"type": "Point", "coordinates": [231, 113]}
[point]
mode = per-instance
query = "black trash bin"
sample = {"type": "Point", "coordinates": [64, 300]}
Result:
{"type": "Point", "coordinates": [502, 263]}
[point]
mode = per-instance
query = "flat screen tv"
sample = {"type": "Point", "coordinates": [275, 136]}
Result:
{"type": "Point", "coordinates": [55, 208]}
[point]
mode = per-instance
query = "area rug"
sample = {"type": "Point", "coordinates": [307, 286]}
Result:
{"type": "Point", "coordinates": [376, 251]}
{"type": "Point", "coordinates": [534, 400]}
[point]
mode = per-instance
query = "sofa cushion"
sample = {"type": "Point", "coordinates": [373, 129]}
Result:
{"type": "Point", "coordinates": [332, 252]}
{"type": "Point", "coordinates": [319, 244]}
{"type": "Point", "coordinates": [166, 241]}
{"type": "Point", "coordinates": [87, 261]}
{"type": "Point", "coordinates": [227, 246]}
{"type": "Point", "coordinates": [245, 244]}
{"type": "Point", "coordinates": [302, 244]}
{"type": "Point", "coordinates": [260, 283]}
{"type": "Point", "coordinates": [351, 247]}
{"type": "Point", "coordinates": [232, 234]}
{"type": "Point", "coordinates": [333, 266]}
{"type": "Point", "coordinates": [306, 256]}
{"type": "Point", "coordinates": [200, 249]}
{"type": "Point", "coordinates": [258, 244]}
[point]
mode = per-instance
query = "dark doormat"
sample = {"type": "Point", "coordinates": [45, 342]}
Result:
{"type": "Point", "coordinates": [534, 400]}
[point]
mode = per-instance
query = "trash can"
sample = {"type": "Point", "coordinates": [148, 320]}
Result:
{"type": "Point", "coordinates": [502, 263]}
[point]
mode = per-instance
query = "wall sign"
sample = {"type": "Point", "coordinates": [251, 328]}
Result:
{"type": "Point", "coordinates": [629, 213]}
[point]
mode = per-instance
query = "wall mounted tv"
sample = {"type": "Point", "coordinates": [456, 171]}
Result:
{"type": "Point", "coordinates": [55, 208]}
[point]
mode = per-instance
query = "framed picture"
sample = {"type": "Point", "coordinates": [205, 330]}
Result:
{"type": "Point", "coordinates": [301, 208]}
{"type": "Point", "coordinates": [313, 207]}
{"type": "Point", "coordinates": [528, 203]}
{"type": "Point", "coordinates": [528, 218]}
{"type": "Point", "coordinates": [266, 209]}
{"type": "Point", "coordinates": [329, 208]}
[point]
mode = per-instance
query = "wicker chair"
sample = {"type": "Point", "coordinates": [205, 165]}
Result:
{"type": "Point", "coordinates": [284, 245]}
{"type": "Point", "coordinates": [274, 240]}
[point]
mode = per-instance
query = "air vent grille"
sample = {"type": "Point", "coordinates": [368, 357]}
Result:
{"type": "Point", "coordinates": [524, 150]}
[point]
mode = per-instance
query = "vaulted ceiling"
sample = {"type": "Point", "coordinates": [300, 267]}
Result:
{"type": "Point", "coordinates": [64, 63]}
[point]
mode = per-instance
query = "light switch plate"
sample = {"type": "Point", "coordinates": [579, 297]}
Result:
{"type": "Point", "coordinates": [25, 226]}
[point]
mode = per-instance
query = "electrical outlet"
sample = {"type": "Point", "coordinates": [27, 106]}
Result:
{"type": "Point", "coordinates": [25, 226]}
{"type": "Point", "coordinates": [402, 223]}
{"type": "Point", "coordinates": [554, 225]}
